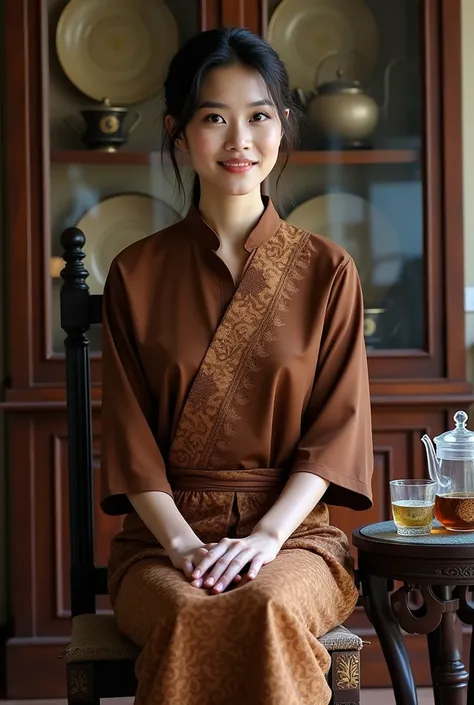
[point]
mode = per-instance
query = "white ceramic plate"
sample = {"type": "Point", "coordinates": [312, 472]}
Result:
{"type": "Point", "coordinates": [115, 223]}
{"type": "Point", "coordinates": [361, 228]}
{"type": "Point", "coordinates": [305, 32]}
{"type": "Point", "coordinates": [116, 49]}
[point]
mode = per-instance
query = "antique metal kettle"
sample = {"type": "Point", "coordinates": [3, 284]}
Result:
{"type": "Point", "coordinates": [342, 112]}
{"type": "Point", "coordinates": [451, 466]}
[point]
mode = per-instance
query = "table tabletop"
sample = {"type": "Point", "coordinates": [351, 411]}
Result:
{"type": "Point", "coordinates": [382, 537]}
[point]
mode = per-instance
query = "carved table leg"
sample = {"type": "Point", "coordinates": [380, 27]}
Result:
{"type": "Point", "coordinates": [466, 614]}
{"type": "Point", "coordinates": [391, 639]}
{"type": "Point", "coordinates": [470, 689]}
{"type": "Point", "coordinates": [450, 679]}
{"type": "Point", "coordinates": [433, 650]}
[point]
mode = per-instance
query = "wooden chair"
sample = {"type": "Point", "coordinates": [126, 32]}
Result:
{"type": "Point", "coordinates": [99, 659]}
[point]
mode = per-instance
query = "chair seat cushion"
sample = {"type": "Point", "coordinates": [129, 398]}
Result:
{"type": "Point", "coordinates": [95, 637]}
{"type": "Point", "coordinates": [341, 639]}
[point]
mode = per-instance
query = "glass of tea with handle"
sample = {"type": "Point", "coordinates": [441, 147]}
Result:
{"type": "Point", "coordinates": [451, 466]}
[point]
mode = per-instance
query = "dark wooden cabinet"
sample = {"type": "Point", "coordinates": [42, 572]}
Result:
{"type": "Point", "coordinates": [417, 379]}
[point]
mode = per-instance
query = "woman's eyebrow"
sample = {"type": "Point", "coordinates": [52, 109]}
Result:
{"type": "Point", "coordinates": [255, 104]}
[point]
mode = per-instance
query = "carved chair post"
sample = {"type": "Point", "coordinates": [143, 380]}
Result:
{"type": "Point", "coordinates": [344, 677]}
{"type": "Point", "coordinates": [75, 298]}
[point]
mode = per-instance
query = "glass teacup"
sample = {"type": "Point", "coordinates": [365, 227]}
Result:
{"type": "Point", "coordinates": [412, 506]}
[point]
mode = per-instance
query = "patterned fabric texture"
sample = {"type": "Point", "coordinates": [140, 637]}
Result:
{"type": "Point", "coordinates": [227, 372]}
{"type": "Point", "coordinates": [258, 643]}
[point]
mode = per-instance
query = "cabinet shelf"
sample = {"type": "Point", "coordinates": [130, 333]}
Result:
{"type": "Point", "coordinates": [308, 158]}
{"type": "Point", "coordinates": [355, 156]}
{"type": "Point", "coordinates": [96, 157]}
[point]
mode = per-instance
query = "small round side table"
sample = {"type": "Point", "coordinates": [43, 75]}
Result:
{"type": "Point", "coordinates": [441, 568]}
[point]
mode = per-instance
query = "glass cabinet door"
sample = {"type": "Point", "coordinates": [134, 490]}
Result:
{"type": "Point", "coordinates": [356, 68]}
{"type": "Point", "coordinates": [107, 64]}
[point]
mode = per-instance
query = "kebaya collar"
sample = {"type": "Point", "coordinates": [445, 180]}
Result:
{"type": "Point", "coordinates": [263, 231]}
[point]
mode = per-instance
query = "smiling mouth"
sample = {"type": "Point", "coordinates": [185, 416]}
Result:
{"type": "Point", "coordinates": [238, 165]}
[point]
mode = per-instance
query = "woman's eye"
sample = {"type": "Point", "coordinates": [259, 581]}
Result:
{"type": "Point", "coordinates": [260, 117]}
{"type": "Point", "coordinates": [214, 118]}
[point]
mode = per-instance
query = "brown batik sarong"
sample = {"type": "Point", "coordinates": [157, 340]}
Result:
{"type": "Point", "coordinates": [257, 643]}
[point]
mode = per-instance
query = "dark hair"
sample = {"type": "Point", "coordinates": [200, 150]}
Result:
{"type": "Point", "coordinates": [218, 48]}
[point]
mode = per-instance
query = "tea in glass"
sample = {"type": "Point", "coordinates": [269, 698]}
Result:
{"type": "Point", "coordinates": [412, 506]}
{"type": "Point", "coordinates": [455, 510]}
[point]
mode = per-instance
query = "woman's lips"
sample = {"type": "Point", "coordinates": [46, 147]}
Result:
{"type": "Point", "coordinates": [237, 166]}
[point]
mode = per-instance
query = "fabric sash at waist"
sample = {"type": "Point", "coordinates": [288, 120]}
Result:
{"type": "Point", "coordinates": [255, 480]}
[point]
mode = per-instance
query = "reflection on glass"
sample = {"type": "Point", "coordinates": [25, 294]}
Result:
{"type": "Point", "coordinates": [111, 218]}
{"type": "Point", "coordinates": [362, 187]}
{"type": "Point", "coordinates": [364, 190]}
{"type": "Point", "coordinates": [114, 201]}
{"type": "Point", "coordinates": [402, 297]}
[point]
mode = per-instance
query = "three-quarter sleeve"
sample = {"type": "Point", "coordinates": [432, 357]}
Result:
{"type": "Point", "coordinates": [131, 461]}
{"type": "Point", "coordinates": [336, 441]}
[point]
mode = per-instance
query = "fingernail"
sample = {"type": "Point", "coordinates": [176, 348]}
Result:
{"type": "Point", "coordinates": [219, 587]}
{"type": "Point", "coordinates": [251, 574]}
{"type": "Point", "coordinates": [197, 574]}
{"type": "Point", "coordinates": [210, 581]}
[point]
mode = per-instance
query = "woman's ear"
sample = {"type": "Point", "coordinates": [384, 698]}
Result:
{"type": "Point", "coordinates": [170, 126]}
{"type": "Point", "coordinates": [169, 122]}
{"type": "Point", "coordinates": [287, 115]}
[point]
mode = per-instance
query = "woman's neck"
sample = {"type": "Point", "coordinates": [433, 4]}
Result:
{"type": "Point", "coordinates": [232, 217]}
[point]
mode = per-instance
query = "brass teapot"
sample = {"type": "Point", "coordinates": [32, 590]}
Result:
{"type": "Point", "coordinates": [342, 112]}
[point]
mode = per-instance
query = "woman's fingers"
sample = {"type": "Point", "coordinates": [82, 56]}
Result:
{"type": "Point", "coordinates": [211, 558]}
{"type": "Point", "coordinates": [223, 563]}
{"type": "Point", "coordinates": [255, 567]}
{"type": "Point", "coordinates": [232, 570]}
{"type": "Point", "coordinates": [190, 561]}
{"type": "Point", "coordinates": [187, 567]}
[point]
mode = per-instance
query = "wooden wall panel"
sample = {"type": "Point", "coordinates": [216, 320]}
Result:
{"type": "Point", "coordinates": [241, 13]}
{"type": "Point", "coordinates": [40, 584]}
{"type": "Point", "coordinates": [231, 13]}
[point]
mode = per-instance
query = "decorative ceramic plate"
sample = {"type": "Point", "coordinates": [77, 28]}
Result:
{"type": "Point", "coordinates": [358, 226]}
{"type": "Point", "coordinates": [116, 49]}
{"type": "Point", "coordinates": [115, 223]}
{"type": "Point", "coordinates": [305, 32]}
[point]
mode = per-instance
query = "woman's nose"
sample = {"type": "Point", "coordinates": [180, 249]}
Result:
{"type": "Point", "coordinates": [239, 137]}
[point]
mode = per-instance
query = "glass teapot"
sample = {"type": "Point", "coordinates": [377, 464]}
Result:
{"type": "Point", "coordinates": [451, 466]}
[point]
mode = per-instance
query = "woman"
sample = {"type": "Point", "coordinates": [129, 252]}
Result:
{"type": "Point", "coordinates": [235, 407]}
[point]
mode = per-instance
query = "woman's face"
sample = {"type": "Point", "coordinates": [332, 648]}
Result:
{"type": "Point", "coordinates": [234, 136]}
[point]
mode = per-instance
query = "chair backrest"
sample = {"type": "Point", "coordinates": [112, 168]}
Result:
{"type": "Point", "coordinates": [79, 310]}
